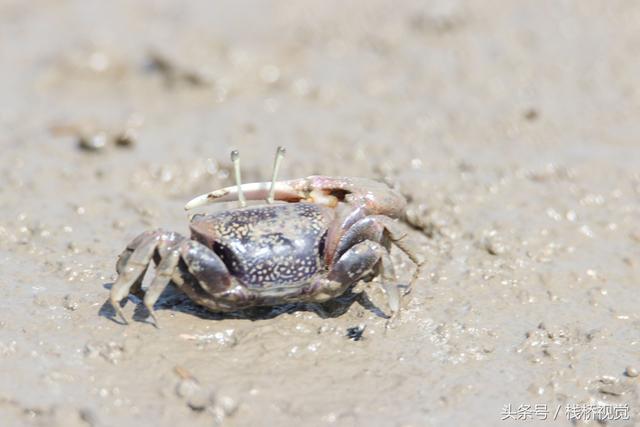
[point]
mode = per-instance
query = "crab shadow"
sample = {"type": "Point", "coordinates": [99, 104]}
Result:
{"type": "Point", "coordinates": [173, 299]}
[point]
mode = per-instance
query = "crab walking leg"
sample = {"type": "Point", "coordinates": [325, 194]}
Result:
{"type": "Point", "coordinates": [135, 267]}
{"type": "Point", "coordinates": [366, 228]}
{"type": "Point", "coordinates": [185, 284]}
{"type": "Point", "coordinates": [235, 158]}
{"type": "Point", "coordinates": [361, 258]}
{"type": "Point", "coordinates": [164, 272]}
{"type": "Point", "coordinates": [373, 228]}
{"type": "Point", "coordinates": [205, 266]}
{"type": "Point", "coordinates": [401, 239]}
{"type": "Point", "coordinates": [132, 246]}
{"type": "Point", "coordinates": [280, 152]}
{"type": "Point", "coordinates": [389, 282]}
{"type": "Point", "coordinates": [205, 275]}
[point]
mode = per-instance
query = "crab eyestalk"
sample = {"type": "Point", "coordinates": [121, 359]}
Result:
{"type": "Point", "coordinates": [235, 158]}
{"type": "Point", "coordinates": [280, 152]}
{"type": "Point", "coordinates": [269, 191]}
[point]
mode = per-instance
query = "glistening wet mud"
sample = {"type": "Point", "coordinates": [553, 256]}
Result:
{"type": "Point", "coordinates": [511, 127]}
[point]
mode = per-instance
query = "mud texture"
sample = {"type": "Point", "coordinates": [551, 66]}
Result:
{"type": "Point", "coordinates": [513, 128]}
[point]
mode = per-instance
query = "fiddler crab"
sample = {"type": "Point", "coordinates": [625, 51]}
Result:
{"type": "Point", "coordinates": [329, 233]}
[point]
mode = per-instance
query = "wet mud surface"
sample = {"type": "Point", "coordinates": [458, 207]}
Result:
{"type": "Point", "coordinates": [511, 127]}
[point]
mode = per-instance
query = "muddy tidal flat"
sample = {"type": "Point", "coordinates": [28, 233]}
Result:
{"type": "Point", "coordinates": [512, 129]}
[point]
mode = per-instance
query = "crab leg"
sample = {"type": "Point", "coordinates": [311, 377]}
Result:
{"type": "Point", "coordinates": [407, 245]}
{"type": "Point", "coordinates": [135, 267]}
{"type": "Point", "coordinates": [164, 272]}
{"type": "Point", "coordinates": [362, 257]}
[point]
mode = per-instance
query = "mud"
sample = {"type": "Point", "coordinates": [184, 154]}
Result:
{"type": "Point", "coordinates": [511, 127]}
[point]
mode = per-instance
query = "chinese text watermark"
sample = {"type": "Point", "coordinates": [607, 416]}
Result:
{"type": "Point", "coordinates": [572, 412]}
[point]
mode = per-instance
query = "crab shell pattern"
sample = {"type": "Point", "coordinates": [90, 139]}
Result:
{"type": "Point", "coordinates": [316, 238]}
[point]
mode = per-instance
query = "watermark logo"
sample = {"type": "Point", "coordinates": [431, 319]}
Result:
{"type": "Point", "coordinates": [572, 411]}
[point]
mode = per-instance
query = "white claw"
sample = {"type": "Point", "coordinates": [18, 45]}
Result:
{"type": "Point", "coordinates": [254, 191]}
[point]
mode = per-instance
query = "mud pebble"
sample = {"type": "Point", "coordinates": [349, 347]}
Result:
{"type": "Point", "coordinates": [494, 244]}
{"type": "Point", "coordinates": [125, 139]}
{"type": "Point", "coordinates": [196, 396]}
{"type": "Point", "coordinates": [531, 114]}
{"type": "Point", "coordinates": [228, 405]}
{"type": "Point", "coordinates": [612, 386]}
{"type": "Point", "coordinates": [118, 225]}
{"type": "Point", "coordinates": [172, 73]}
{"type": "Point", "coordinates": [70, 303]}
{"type": "Point", "coordinates": [631, 372]}
{"type": "Point", "coordinates": [94, 142]}
{"type": "Point", "coordinates": [356, 333]}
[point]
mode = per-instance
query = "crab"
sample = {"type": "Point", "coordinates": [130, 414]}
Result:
{"type": "Point", "coordinates": [312, 240]}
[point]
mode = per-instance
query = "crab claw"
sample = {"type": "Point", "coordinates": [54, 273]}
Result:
{"type": "Point", "coordinates": [252, 191]}
{"type": "Point", "coordinates": [375, 196]}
